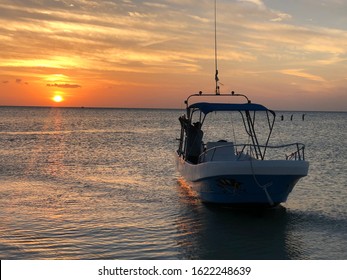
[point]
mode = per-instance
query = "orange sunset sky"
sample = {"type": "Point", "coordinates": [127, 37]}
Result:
{"type": "Point", "coordinates": [288, 55]}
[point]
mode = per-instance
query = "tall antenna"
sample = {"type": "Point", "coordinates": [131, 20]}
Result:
{"type": "Point", "coordinates": [215, 47]}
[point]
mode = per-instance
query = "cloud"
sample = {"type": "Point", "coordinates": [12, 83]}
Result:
{"type": "Point", "coordinates": [115, 35]}
{"type": "Point", "coordinates": [156, 5]}
{"type": "Point", "coordinates": [127, 41]}
{"type": "Point", "coordinates": [258, 3]}
{"type": "Point", "coordinates": [21, 82]}
{"type": "Point", "coordinates": [281, 17]}
{"type": "Point", "coordinates": [300, 73]}
{"type": "Point", "coordinates": [64, 85]}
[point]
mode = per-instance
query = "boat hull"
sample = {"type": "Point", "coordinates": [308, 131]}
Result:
{"type": "Point", "coordinates": [243, 183]}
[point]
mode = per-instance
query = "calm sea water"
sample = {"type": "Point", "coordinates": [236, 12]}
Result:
{"type": "Point", "coordinates": [102, 184]}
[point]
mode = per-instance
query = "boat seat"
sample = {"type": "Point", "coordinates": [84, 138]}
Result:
{"type": "Point", "coordinates": [219, 151]}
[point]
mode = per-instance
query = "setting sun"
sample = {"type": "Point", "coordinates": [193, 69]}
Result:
{"type": "Point", "coordinates": [57, 98]}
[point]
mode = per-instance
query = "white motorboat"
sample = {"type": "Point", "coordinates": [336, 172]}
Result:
{"type": "Point", "coordinates": [249, 173]}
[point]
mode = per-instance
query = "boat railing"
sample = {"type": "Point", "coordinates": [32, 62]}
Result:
{"type": "Point", "coordinates": [293, 151]}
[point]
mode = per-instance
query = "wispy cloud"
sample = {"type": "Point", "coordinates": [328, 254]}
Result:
{"type": "Point", "coordinates": [146, 36]}
{"type": "Point", "coordinates": [258, 3]}
{"type": "Point", "coordinates": [302, 74]}
{"type": "Point", "coordinates": [64, 85]}
{"type": "Point", "coordinates": [120, 42]}
{"type": "Point", "coordinates": [281, 17]}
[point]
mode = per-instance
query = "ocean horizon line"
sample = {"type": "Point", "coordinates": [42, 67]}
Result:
{"type": "Point", "coordinates": [150, 108]}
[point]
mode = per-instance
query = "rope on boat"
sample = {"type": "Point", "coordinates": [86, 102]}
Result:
{"type": "Point", "coordinates": [233, 126]}
{"type": "Point", "coordinates": [263, 187]}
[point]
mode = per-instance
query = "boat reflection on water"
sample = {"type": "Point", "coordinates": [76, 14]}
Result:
{"type": "Point", "coordinates": [210, 232]}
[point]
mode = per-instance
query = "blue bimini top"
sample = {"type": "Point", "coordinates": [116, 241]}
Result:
{"type": "Point", "coordinates": [206, 107]}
